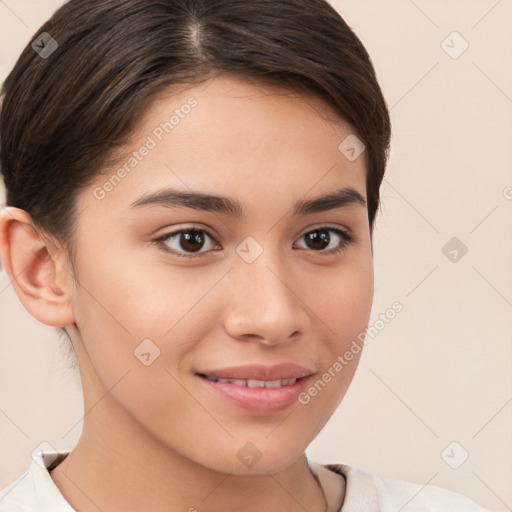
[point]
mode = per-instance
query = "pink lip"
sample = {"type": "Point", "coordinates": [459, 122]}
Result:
{"type": "Point", "coordinates": [259, 400]}
{"type": "Point", "coordinates": [260, 372]}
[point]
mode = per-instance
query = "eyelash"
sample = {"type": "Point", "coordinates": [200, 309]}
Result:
{"type": "Point", "coordinates": [348, 239]}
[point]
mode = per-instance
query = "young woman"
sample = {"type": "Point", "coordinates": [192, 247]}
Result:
{"type": "Point", "coordinates": [191, 193]}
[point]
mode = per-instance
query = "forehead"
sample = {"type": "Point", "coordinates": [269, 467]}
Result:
{"type": "Point", "coordinates": [233, 137]}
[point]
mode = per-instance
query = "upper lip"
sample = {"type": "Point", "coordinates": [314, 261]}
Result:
{"type": "Point", "coordinates": [260, 372]}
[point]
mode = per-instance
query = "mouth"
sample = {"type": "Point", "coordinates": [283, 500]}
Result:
{"type": "Point", "coordinates": [256, 396]}
{"type": "Point", "coordinates": [253, 383]}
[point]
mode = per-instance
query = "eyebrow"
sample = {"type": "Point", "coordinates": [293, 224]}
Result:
{"type": "Point", "coordinates": [220, 204]}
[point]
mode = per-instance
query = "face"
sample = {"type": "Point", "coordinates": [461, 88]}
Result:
{"type": "Point", "coordinates": [174, 291]}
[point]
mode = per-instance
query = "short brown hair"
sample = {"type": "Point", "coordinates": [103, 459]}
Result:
{"type": "Point", "coordinates": [61, 116]}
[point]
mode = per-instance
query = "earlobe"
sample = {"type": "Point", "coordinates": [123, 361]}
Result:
{"type": "Point", "coordinates": [41, 284]}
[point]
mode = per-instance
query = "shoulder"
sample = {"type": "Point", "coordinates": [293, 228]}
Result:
{"type": "Point", "coordinates": [34, 490]}
{"type": "Point", "coordinates": [375, 494]}
{"type": "Point", "coordinates": [16, 497]}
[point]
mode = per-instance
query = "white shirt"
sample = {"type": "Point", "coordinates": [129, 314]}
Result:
{"type": "Point", "coordinates": [35, 491]}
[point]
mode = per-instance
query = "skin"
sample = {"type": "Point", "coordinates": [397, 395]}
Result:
{"type": "Point", "coordinates": [154, 438]}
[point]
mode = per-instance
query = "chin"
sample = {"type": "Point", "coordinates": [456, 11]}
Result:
{"type": "Point", "coordinates": [257, 456]}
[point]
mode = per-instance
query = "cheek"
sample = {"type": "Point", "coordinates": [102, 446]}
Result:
{"type": "Point", "coordinates": [133, 326]}
{"type": "Point", "coordinates": [342, 299]}
{"type": "Point", "coordinates": [344, 312]}
{"type": "Point", "coordinates": [351, 307]}
{"type": "Point", "coordinates": [166, 312]}
{"type": "Point", "coordinates": [344, 302]}
{"type": "Point", "coordinates": [127, 308]}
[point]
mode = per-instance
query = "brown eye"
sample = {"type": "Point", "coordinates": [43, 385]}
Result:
{"type": "Point", "coordinates": [318, 239]}
{"type": "Point", "coordinates": [322, 240]}
{"type": "Point", "coordinates": [186, 242]}
{"type": "Point", "coordinates": [191, 240]}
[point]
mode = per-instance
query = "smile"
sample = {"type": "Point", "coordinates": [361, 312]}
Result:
{"type": "Point", "coordinates": [253, 383]}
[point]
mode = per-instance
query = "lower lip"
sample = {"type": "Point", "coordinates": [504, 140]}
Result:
{"type": "Point", "coordinates": [259, 400]}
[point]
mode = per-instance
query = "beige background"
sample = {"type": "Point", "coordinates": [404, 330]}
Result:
{"type": "Point", "coordinates": [441, 371]}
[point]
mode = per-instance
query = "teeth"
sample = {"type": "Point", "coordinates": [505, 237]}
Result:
{"type": "Point", "coordinates": [273, 384]}
{"type": "Point", "coordinates": [253, 383]}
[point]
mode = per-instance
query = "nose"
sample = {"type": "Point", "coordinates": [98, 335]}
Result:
{"type": "Point", "coordinates": [265, 303]}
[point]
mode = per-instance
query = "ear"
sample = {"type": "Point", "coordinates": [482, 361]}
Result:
{"type": "Point", "coordinates": [37, 269]}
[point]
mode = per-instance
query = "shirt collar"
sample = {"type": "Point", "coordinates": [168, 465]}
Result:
{"type": "Point", "coordinates": [46, 493]}
{"type": "Point", "coordinates": [360, 491]}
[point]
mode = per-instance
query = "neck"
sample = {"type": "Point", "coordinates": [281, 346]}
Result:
{"type": "Point", "coordinates": [117, 466]}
